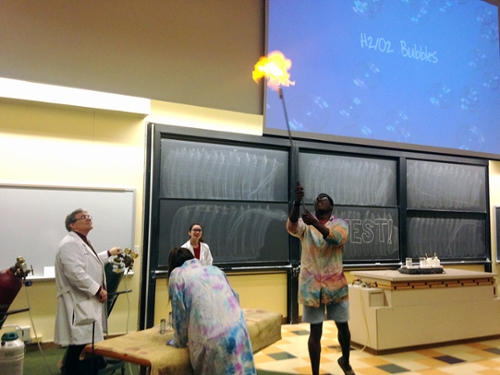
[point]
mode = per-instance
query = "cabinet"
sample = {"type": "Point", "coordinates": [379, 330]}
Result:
{"type": "Point", "coordinates": [407, 311]}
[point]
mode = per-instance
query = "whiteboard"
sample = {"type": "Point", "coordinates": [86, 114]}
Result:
{"type": "Point", "coordinates": [32, 221]}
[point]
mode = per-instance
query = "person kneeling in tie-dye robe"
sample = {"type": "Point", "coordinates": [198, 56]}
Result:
{"type": "Point", "coordinates": [207, 317]}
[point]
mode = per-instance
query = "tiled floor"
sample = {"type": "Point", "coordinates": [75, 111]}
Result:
{"type": "Point", "coordinates": [290, 356]}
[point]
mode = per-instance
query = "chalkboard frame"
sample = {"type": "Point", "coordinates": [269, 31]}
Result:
{"type": "Point", "coordinates": [455, 214]}
{"type": "Point", "coordinates": [196, 144]}
{"type": "Point", "coordinates": [320, 147]}
{"type": "Point", "coordinates": [156, 132]}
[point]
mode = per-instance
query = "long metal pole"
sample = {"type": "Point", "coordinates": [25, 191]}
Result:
{"type": "Point", "coordinates": [292, 286]}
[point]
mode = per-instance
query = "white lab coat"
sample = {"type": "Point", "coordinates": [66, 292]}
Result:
{"type": "Point", "coordinates": [205, 254]}
{"type": "Point", "coordinates": [79, 274]}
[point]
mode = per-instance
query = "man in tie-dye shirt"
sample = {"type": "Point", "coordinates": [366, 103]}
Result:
{"type": "Point", "coordinates": [207, 318]}
{"type": "Point", "coordinates": [322, 283]}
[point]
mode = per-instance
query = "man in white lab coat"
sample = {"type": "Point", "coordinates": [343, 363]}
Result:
{"type": "Point", "coordinates": [81, 292]}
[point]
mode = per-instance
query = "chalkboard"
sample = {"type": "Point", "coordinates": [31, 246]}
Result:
{"type": "Point", "coordinates": [349, 180]}
{"type": "Point", "coordinates": [32, 221]}
{"type": "Point", "coordinates": [449, 238]}
{"type": "Point", "coordinates": [447, 186]}
{"type": "Point", "coordinates": [195, 170]}
{"type": "Point", "coordinates": [236, 232]}
{"type": "Point", "coordinates": [238, 194]}
{"type": "Point", "coordinates": [365, 194]}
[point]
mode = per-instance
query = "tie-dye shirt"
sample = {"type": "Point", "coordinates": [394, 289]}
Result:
{"type": "Point", "coordinates": [322, 278]}
{"type": "Point", "coordinates": [206, 316]}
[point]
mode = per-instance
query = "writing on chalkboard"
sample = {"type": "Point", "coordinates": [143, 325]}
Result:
{"type": "Point", "coordinates": [372, 233]}
{"type": "Point", "coordinates": [367, 230]}
{"type": "Point", "coordinates": [368, 184]}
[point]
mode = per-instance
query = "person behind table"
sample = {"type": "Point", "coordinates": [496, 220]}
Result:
{"type": "Point", "coordinates": [322, 283]}
{"type": "Point", "coordinates": [197, 245]}
{"type": "Point", "coordinates": [80, 281]}
{"type": "Point", "coordinates": [207, 317]}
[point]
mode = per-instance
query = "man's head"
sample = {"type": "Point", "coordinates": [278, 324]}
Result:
{"type": "Point", "coordinates": [79, 221]}
{"type": "Point", "coordinates": [323, 203]}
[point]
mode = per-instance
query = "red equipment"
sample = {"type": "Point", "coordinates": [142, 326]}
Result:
{"type": "Point", "coordinates": [11, 281]}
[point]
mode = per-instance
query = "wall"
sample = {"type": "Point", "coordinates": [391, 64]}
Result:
{"type": "Point", "coordinates": [193, 52]}
{"type": "Point", "coordinates": [57, 145]}
{"type": "Point", "coordinates": [62, 145]}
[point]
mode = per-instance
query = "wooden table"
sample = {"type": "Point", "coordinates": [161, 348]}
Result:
{"type": "Point", "coordinates": [148, 348]}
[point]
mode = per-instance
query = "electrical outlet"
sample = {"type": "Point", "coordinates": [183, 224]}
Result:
{"type": "Point", "coordinates": [24, 333]}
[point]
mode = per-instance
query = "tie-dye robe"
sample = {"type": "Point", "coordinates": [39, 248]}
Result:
{"type": "Point", "coordinates": [321, 278]}
{"type": "Point", "coordinates": [206, 316]}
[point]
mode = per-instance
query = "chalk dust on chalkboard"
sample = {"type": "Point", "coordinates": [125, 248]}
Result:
{"type": "Point", "coordinates": [194, 171]}
{"type": "Point", "coordinates": [435, 185]}
{"type": "Point", "coordinates": [349, 180]}
{"type": "Point", "coordinates": [447, 237]}
{"type": "Point", "coordinates": [236, 233]}
{"type": "Point", "coordinates": [241, 229]}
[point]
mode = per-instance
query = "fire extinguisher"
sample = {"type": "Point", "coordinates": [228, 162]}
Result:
{"type": "Point", "coordinates": [11, 281]}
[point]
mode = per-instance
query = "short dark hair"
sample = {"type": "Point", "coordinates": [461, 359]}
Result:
{"type": "Point", "coordinates": [177, 257]}
{"type": "Point", "coordinates": [71, 218]}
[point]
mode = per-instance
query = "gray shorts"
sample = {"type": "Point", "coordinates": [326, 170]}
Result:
{"type": "Point", "coordinates": [338, 312]}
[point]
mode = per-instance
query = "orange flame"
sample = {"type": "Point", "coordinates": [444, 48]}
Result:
{"type": "Point", "coordinates": [274, 67]}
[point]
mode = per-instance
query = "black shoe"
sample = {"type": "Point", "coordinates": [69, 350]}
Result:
{"type": "Point", "coordinates": [346, 368]}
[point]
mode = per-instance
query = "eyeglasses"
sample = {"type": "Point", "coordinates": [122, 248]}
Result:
{"type": "Point", "coordinates": [196, 230]}
{"type": "Point", "coordinates": [84, 217]}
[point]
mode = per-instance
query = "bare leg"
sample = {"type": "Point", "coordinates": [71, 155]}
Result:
{"type": "Point", "coordinates": [314, 345]}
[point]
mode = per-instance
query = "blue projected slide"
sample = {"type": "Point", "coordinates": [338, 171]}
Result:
{"type": "Point", "coordinates": [418, 72]}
